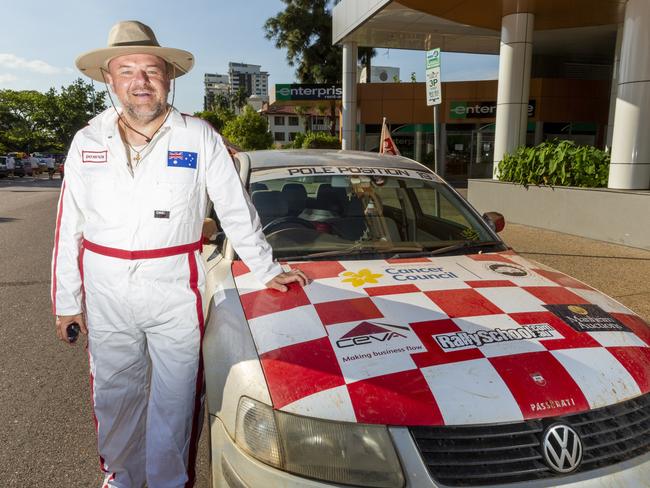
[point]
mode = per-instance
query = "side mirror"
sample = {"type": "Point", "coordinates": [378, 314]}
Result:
{"type": "Point", "coordinates": [495, 220]}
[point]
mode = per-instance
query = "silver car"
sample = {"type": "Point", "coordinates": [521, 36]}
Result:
{"type": "Point", "coordinates": [424, 353]}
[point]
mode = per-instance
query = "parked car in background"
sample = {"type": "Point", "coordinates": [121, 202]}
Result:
{"type": "Point", "coordinates": [20, 168]}
{"type": "Point", "coordinates": [424, 353]}
{"type": "Point", "coordinates": [27, 166]}
{"type": "Point", "coordinates": [3, 166]}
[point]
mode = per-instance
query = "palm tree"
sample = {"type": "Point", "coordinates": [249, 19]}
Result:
{"type": "Point", "coordinates": [365, 58]}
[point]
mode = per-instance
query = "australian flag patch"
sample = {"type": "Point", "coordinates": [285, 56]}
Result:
{"type": "Point", "coordinates": [181, 159]}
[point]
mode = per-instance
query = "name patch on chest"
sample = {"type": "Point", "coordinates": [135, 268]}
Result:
{"type": "Point", "coordinates": [94, 156]}
{"type": "Point", "coordinates": [181, 159]}
{"type": "Point", "coordinates": [161, 214]}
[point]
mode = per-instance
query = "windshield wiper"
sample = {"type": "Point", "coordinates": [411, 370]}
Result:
{"type": "Point", "coordinates": [357, 248]}
{"type": "Point", "coordinates": [450, 248]}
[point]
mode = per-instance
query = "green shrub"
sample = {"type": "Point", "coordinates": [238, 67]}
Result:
{"type": "Point", "coordinates": [320, 140]}
{"type": "Point", "coordinates": [249, 130]}
{"type": "Point", "coordinates": [297, 142]}
{"type": "Point", "coordinates": [556, 163]}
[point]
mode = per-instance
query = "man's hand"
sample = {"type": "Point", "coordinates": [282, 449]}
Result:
{"type": "Point", "coordinates": [280, 281]}
{"type": "Point", "coordinates": [209, 228]}
{"type": "Point", "coordinates": [62, 322]}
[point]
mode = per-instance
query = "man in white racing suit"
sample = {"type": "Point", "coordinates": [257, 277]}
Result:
{"type": "Point", "coordinates": [126, 261]}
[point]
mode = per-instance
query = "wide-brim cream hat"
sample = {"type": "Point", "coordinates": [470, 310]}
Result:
{"type": "Point", "coordinates": [132, 37]}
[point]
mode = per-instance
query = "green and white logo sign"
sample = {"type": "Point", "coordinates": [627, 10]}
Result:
{"type": "Point", "coordinates": [433, 79]}
{"type": "Point", "coordinates": [433, 58]}
{"type": "Point", "coordinates": [479, 110]}
{"type": "Point", "coordinates": [308, 92]}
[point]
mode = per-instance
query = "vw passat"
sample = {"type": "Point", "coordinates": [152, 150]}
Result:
{"type": "Point", "coordinates": [424, 353]}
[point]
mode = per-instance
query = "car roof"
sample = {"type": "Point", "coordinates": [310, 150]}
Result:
{"type": "Point", "coordinates": [278, 158]}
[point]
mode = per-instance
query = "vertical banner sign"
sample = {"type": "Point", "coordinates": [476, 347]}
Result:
{"type": "Point", "coordinates": [433, 82]}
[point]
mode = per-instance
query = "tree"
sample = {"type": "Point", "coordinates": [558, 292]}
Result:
{"type": "Point", "coordinates": [70, 110]}
{"type": "Point", "coordinates": [304, 112]}
{"type": "Point", "coordinates": [221, 101]}
{"type": "Point", "coordinates": [304, 29]}
{"type": "Point", "coordinates": [240, 98]}
{"type": "Point", "coordinates": [23, 120]}
{"type": "Point", "coordinates": [365, 57]}
{"type": "Point", "coordinates": [33, 121]}
{"type": "Point", "coordinates": [249, 130]}
{"type": "Point", "coordinates": [218, 117]}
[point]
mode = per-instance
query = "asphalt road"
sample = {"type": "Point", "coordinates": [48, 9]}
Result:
{"type": "Point", "coordinates": [47, 435]}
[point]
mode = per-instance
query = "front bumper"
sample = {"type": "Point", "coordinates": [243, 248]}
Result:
{"type": "Point", "coordinates": [233, 468]}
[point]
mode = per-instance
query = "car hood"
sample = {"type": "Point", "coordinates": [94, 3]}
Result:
{"type": "Point", "coordinates": [452, 340]}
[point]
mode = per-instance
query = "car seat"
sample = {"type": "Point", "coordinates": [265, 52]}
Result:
{"type": "Point", "coordinates": [296, 197]}
{"type": "Point", "coordinates": [270, 205]}
{"type": "Point", "coordinates": [331, 198]}
{"type": "Point", "coordinates": [258, 187]}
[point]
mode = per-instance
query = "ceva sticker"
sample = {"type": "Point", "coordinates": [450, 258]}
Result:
{"type": "Point", "coordinates": [361, 348]}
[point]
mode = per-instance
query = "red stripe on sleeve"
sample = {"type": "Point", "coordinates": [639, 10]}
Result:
{"type": "Point", "coordinates": [57, 233]}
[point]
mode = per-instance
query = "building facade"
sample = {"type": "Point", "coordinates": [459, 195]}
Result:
{"type": "Point", "coordinates": [598, 40]}
{"type": "Point", "coordinates": [287, 121]}
{"type": "Point", "coordinates": [379, 74]}
{"type": "Point", "coordinates": [250, 77]}
{"type": "Point", "coordinates": [570, 109]}
{"type": "Point", "coordinates": [214, 84]}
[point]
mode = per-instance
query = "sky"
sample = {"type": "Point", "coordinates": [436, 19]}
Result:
{"type": "Point", "coordinates": [40, 40]}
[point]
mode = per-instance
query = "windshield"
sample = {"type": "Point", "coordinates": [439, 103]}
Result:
{"type": "Point", "coordinates": [387, 212]}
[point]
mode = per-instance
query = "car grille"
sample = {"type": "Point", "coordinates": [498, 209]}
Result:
{"type": "Point", "coordinates": [508, 453]}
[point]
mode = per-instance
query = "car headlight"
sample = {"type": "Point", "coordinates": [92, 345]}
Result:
{"type": "Point", "coordinates": [354, 454]}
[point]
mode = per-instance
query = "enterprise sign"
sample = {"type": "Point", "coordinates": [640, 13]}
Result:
{"type": "Point", "coordinates": [308, 92]}
{"type": "Point", "coordinates": [480, 110]}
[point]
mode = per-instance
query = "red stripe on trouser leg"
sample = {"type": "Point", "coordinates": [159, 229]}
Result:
{"type": "Point", "coordinates": [196, 428]}
{"type": "Point", "coordinates": [102, 463]}
{"type": "Point", "coordinates": [57, 233]}
{"type": "Point", "coordinates": [109, 479]}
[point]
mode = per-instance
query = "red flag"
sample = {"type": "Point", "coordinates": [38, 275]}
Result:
{"type": "Point", "coordinates": [387, 145]}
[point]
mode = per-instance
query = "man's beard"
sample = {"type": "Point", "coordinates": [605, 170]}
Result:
{"type": "Point", "coordinates": [142, 115]}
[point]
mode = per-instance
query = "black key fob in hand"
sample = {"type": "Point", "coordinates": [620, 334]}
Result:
{"type": "Point", "coordinates": [72, 332]}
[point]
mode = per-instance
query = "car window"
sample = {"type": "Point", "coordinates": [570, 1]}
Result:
{"type": "Point", "coordinates": [433, 205]}
{"type": "Point", "coordinates": [320, 214]}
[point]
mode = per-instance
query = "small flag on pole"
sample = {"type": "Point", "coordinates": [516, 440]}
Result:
{"type": "Point", "coordinates": [387, 145]}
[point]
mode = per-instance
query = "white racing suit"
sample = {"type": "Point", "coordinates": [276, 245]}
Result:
{"type": "Point", "coordinates": [127, 253]}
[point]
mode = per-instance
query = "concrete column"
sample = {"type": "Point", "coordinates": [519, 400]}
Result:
{"type": "Point", "coordinates": [539, 132]}
{"type": "Point", "coordinates": [515, 59]}
{"type": "Point", "coordinates": [630, 166]}
{"type": "Point", "coordinates": [614, 88]}
{"type": "Point", "coordinates": [350, 56]}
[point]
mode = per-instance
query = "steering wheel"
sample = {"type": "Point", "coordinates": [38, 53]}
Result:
{"type": "Point", "coordinates": [291, 220]}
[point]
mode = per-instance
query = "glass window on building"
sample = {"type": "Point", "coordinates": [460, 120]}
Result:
{"type": "Point", "coordinates": [292, 135]}
{"type": "Point", "coordinates": [279, 136]}
{"type": "Point", "coordinates": [294, 121]}
{"type": "Point", "coordinates": [278, 120]}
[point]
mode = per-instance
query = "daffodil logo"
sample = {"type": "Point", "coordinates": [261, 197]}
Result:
{"type": "Point", "coordinates": [361, 277]}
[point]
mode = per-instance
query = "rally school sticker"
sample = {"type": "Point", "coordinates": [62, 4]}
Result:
{"type": "Point", "coordinates": [587, 318]}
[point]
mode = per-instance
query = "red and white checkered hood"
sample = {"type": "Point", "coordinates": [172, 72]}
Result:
{"type": "Point", "coordinates": [443, 341]}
